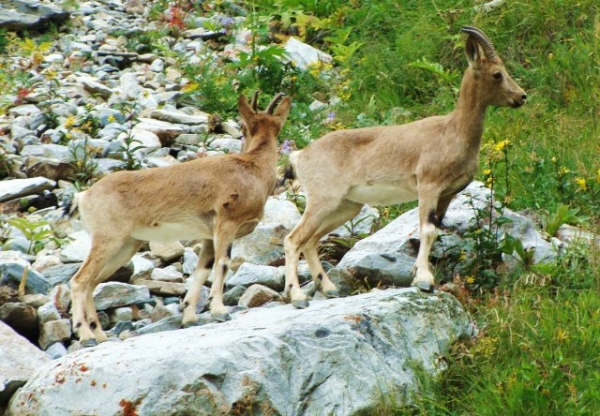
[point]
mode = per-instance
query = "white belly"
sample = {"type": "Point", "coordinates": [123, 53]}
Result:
{"type": "Point", "coordinates": [381, 194]}
{"type": "Point", "coordinates": [173, 232]}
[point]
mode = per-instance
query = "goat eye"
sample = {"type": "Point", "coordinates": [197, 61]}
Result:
{"type": "Point", "coordinates": [498, 75]}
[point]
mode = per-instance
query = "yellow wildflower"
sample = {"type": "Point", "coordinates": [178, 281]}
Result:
{"type": "Point", "coordinates": [500, 146]}
{"type": "Point", "coordinates": [111, 118]}
{"type": "Point", "coordinates": [553, 159]}
{"type": "Point", "coordinates": [598, 176]}
{"type": "Point", "coordinates": [581, 182]}
{"type": "Point", "coordinates": [470, 280]}
{"type": "Point", "coordinates": [70, 122]}
{"type": "Point", "coordinates": [487, 172]}
{"type": "Point", "coordinates": [563, 171]}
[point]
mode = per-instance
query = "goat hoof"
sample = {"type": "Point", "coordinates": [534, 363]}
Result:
{"type": "Point", "coordinates": [300, 304]}
{"type": "Point", "coordinates": [332, 293]}
{"type": "Point", "coordinates": [221, 317]}
{"type": "Point", "coordinates": [425, 286]}
{"type": "Point", "coordinates": [89, 343]}
{"type": "Point", "coordinates": [189, 324]}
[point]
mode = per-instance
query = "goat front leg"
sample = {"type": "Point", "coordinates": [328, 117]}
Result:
{"type": "Point", "coordinates": [200, 275]}
{"type": "Point", "coordinates": [424, 279]}
{"type": "Point", "coordinates": [224, 236]}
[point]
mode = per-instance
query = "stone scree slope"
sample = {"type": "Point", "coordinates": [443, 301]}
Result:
{"type": "Point", "coordinates": [340, 356]}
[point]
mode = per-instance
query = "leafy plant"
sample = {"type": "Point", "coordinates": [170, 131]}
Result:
{"type": "Point", "coordinates": [36, 232]}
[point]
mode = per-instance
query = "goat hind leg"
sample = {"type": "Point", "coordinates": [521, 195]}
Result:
{"type": "Point", "coordinates": [111, 265]}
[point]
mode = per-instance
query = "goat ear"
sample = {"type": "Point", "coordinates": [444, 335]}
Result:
{"type": "Point", "coordinates": [283, 109]}
{"type": "Point", "coordinates": [246, 112]}
{"type": "Point", "coordinates": [474, 52]}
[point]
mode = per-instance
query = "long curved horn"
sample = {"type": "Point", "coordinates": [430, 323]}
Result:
{"type": "Point", "coordinates": [274, 102]}
{"type": "Point", "coordinates": [484, 41]}
{"type": "Point", "coordinates": [254, 102]}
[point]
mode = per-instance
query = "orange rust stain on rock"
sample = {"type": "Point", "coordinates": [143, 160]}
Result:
{"type": "Point", "coordinates": [353, 318]}
{"type": "Point", "coordinates": [130, 408]}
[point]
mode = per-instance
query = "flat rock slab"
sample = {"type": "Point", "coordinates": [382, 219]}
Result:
{"type": "Point", "coordinates": [339, 356]}
{"type": "Point", "coordinates": [16, 188]}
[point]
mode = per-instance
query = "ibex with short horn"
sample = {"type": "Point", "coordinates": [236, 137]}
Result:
{"type": "Point", "coordinates": [214, 199]}
{"type": "Point", "coordinates": [429, 160]}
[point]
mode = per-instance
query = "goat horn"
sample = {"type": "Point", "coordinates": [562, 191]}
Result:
{"type": "Point", "coordinates": [488, 47]}
{"type": "Point", "coordinates": [254, 102]}
{"type": "Point", "coordinates": [274, 102]}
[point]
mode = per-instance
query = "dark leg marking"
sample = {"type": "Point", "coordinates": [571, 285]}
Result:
{"type": "Point", "coordinates": [186, 304]}
{"type": "Point", "coordinates": [320, 276]}
{"type": "Point", "coordinates": [224, 270]}
{"type": "Point", "coordinates": [210, 263]}
{"type": "Point", "coordinates": [229, 250]}
{"type": "Point", "coordinates": [432, 218]}
{"type": "Point", "coordinates": [93, 325]}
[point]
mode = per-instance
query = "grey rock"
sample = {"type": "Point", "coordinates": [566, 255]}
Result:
{"type": "Point", "coordinates": [12, 273]}
{"type": "Point", "coordinates": [168, 274]}
{"type": "Point", "coordinates": [232, 296]}
{"type": "Point", "coordinates": [19, 359]}
{"type": "Point", "coordinates": [257, 295]}
{"type": "Point", "coordinates": [190, 260]}
{"type": "Point", "coordinates": [16, 188]}
{"type": "Point", "coordinates": [56, 350]}
{"type": "Point", "coordinates": [56, 275]}
{"type": "Point", "coordinates": [47, 313]}
{"type": "Point", "coordinates": [22, 14]}
{"type": "Point", "coordinates": [142, 265]}
{"type": "Point", "coordinates": [249, 274]}
{"type": "Point", "coordinates": [115, 294]}
{"type": "Point", "coordinates": [178, 117]}
{"type": "Point", "coordinates": [167, 132]}
{"type": "Point", "coordinates": [35, 299]}
{"type": "Point", "coordinates": [304, 55]}
{"type": "Point", "coordinates": [162, 288]}
{"type": "Point", "coordinates": [57, 152]}
{"type": "Point", "coordinates": [52, 169]}
{"type": "Point", "coordinates": [77, 248]}
{"type": "Point", "coordinates": [124, 313]}
{"type": "Point", "coordinates": [167, 251]}
{"type": "Point", "coordinates": [241, 361]}
{"type": "Point", "coordinates": [54, 331]}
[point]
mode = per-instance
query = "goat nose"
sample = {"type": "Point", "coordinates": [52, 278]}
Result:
{"type": "Point", "coordinates": [524, 97]}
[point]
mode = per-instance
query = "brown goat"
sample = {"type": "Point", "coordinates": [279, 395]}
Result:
{"type": "Point", "coordinates": [215, 199]}
{"type": "Point", "coordinates": [429, 160]}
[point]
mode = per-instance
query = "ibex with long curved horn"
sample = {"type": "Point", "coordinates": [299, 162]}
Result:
{"type": "Point", "coordinates": [215, 199]}
{"type": "Point", "coordinates": [430, 160]}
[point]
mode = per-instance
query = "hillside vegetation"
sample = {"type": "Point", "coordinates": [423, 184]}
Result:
{"type": "Point", "coordinates": [398, 61]}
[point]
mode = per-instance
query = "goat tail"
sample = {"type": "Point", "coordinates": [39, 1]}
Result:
{"type": "Point", "coordinates": [71, 207]}
{"type": "Point", "coordinates": [288, 174]}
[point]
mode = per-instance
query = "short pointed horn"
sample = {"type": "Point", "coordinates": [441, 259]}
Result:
{"type": "Point", "coordinates": [254, 102]}
{"type": "Point", "coordinates": [484, 41]}
{"type": "Point", "coordinates": [274, 103]}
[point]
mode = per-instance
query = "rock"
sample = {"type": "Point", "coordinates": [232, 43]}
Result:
{"type": "Point", "coordinates": [35, 299]}
{"type": "Point", "coordinates": [233, 295]}
{"type": "Point", "coordinates": [162, 288]}
{"type": "Point", "coordinates": [142, 265]}
{"type": "Point", "coordinates": [19, 359]}
{"type": "Point", "coordinates": [47, 313]}
{"type": "Point", "coordinates": [56, 275]}
{"type": "Point", "coordinates": [54, 331]}
{"type": "Point", "coordinates": [167, 251]}
{"type": "Point", "coordinates": [249, 274]}
{"type": "Point", "coordinates": [304, 55]}
{"type": "Point", "coordinates": [178, 117]}
{"type": "Point", "coordinates": [20, 15]}
{"type": "Point", "coordinates": [166, 132]}
{"type": "Point", "coordinates": [77, 248]}
{"type": "Point", "coordinates": [20, 316]}
{"type": "Point", "coordinates": [190, 260]}
{"type": "Point", "coordinates": [56, 350]}
{"type": "Point", "coordinates": [11, 274]}
{"type": "Point", "coordinates": [56, 152]}
{"type": "Point", "coordinates": [257, 295]}
{"type": "Point", "coordinates": [145, 138]}
{"type": "Point", "coordinates": [115, 294]}
{"type": "Point", "coordinates": [569, 234]}
{"type": "Point", "coordinates": [124, 313]}
{"type": "Point", "coordinates": [16, 188]}
{"type": "Point", "coordinates": [168, 274]}
{"type": "Point", "coordinates": [236, 366]}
